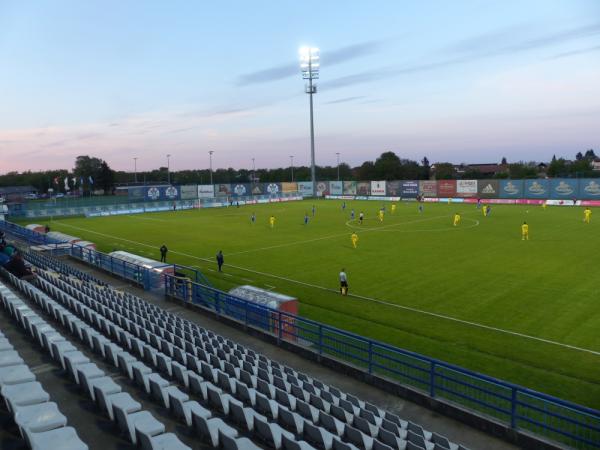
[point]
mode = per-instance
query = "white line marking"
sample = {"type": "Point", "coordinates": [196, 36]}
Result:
{"type": "Point", "coordinates": [374, 300]}
{"type": "Point", "coordinates": [147, 218]}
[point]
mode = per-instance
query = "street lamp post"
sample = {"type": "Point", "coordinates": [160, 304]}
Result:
{"type": "Point", "coordinates": [253, 171]}
{"type": "Point", "coordinates": [292, 166]}
{"type": "Point", "coordinates": [338, 164]}
{"type": "Point", "coordinates": [169, 169]}
{"type": "Point", "coordinates": [309, 64]}
{"type": "Point", "coordinates": [210, 153]}
{"type": "Point", "coordinates": [135, 169]}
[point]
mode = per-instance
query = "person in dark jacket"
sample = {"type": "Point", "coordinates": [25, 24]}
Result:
{"type": "Point", "coordinates": [163, 253]}
{"type": "Point", "coordinates": [220, 259]}
{"type": "Point", "coordinates": [17, 267]}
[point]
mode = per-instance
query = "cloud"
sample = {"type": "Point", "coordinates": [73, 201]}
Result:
{"type": "Point", "coordinates": [330, 58]}
{"type": "Point", "coordinates": [474, 49]}
{"type": "Point", "coordinates": [576, 52]}
{"type": "Point", "coordinates": [344, 100]}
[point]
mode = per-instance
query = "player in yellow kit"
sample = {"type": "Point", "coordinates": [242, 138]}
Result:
{"type": "Point", "coordinates": [354, 238]}
{"type": "Point", "coordinates": [272, 221]}
{"type": "Point", "coordinates": [524, 232]}
{"type": "Point", "coordinates": [393, 208]}
{"type": "Point", "coordinates": [544, 205]}
{"type": "Point", "coordinates": [587, 215]}
{"type": "Point", "coordinates": [381, 214]}
{"type": "Point", "coordinates": [456, 219]}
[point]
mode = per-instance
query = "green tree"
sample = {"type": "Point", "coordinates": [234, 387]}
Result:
{"type": "Point", "coordinates": [444, 171]}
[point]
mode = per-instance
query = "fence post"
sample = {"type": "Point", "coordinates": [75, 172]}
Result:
{"type": "Point", "coordinates": [320, 339]}
{"type": "Point", "coordinates": [370, 357]}
{"type": "Point", "coordinates": [513, 408]}
{"type": "Point", "coordinates": [432, 379]}
{"type": "Point", "coordinates": [279, 332]}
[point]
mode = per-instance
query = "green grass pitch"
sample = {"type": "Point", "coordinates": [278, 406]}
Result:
{"type": "Point", "coordinates": [527, 312]}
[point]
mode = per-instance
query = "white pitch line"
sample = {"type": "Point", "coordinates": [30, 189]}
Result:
{"type": "Point", "coordinates": [370, 299]}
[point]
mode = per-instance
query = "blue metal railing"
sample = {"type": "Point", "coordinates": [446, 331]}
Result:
{"type": "Point", "coordinates": [516, 406]}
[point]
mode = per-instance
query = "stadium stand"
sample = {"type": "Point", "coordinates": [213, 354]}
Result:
{"type": "Point", "coordinates": [219, 391]}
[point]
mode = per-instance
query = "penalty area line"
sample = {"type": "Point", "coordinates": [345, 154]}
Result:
{"type": "Point", "coordinates": [365, 298]}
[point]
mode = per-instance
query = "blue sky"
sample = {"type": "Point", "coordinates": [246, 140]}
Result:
{"type": "Point", "coordinates": [456, 81]}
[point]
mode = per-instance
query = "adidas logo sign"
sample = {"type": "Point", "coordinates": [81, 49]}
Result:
{"type": "Point", "coordinates": [489, 189]}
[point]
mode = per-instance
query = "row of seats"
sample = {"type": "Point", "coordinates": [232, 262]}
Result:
{"type": "Point", "coordinates": [225, 363]}
{"type": "Point", "coordinates": [39, 420]}
{"type": "Point", "coordinates": [139, 426]}
{"type": "Point", "coordinates": [42, 260]}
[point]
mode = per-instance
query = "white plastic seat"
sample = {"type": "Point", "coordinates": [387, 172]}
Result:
{"type": "Point", "coordinates": [15, 375]}
{"type": "Point", "coordinates": [24, 394]}
{"type": "Point", "coordinates": [38, 418]}
{"type": "Point", "coordinates": [61, 438]}
{"type": "Point", "coordinates": [10, 358]}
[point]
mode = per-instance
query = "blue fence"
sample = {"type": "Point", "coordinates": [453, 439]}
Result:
{"type": "Point", "coordinates": [516, 406]}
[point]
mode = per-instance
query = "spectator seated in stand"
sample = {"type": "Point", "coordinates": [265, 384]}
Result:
{"type": "Point", "coordinates": [18, 268]}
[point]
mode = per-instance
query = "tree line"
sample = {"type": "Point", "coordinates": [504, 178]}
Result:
{"type": "Point", "coordinates": [97, 174]}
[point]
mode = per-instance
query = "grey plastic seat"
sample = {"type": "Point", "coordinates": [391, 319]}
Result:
{"type": "Point", "coordinates": [270, 433]}
{"type": "Point", "coordinates": [157, 388]}
{"type": "Point", "coordinates": [358, 438]}
{"type": "Point", "coordinates": [389, 438]}
{"type": "Point", "coordinates": [185, 409]}
{"type": "Point", "coordinates": [10, 358]}
{"type": "Point", "coordinates": [72, 360]}
{"type": "Point", "coordinates": [417, 439]}
{"type": "Point", "coordinates": [211, 429]}
{"type": "Point", "coordinates": [15, 375]}
{"type": "Point", "coordinates": [403, 424]}
{"type": "Point", "coordinates": [371, 417]}
{"type": "Point", "coordinates": [218, 400]}
{"type": "Point", "coordinates": [331, 424]}
{"type": "Point", "coordinates": [377, 445]}
{"type": "Point", "coordinates": [86, 371]}
{"type": "Point", "coordinates": [230, 443]}
{"type": "Point", "coordinates": [411, 446]}
{"type": "Point", "coordinates": [106, 385]}
{"type": "Point", "coordinates": [38, 418]}
{"type": "Point", "coordinates": [166, 441]}
{"type": "Point", "coordinates": [365, 426]}
{"type": "Point", "coordinates": [122, 402]}
{"type": "Point", "coordinates": [417, 429]}
{"type": "Point", "coordinates": [339, 445]}
{"type": "Point", "coordinates": [5, 345]}
{"type": "Point", "coordinates": [291, 421]}
{"type": "Point", "coordinates": [341, 414]}
{"type": "Point", "coordinates": [59, 349]}
{"type": "Point", "coordinates": [307, 411]}
{"type": "Point", "coordinates": [65, 438]}
{"type": "Point", "coordinates": [243, 417]}
{"type": "Point", "coordinates": [137, 422]}
{"type": "Point", "coordinates": [292, 444]}
{"type": "Point", "coordinates": [24, 394]}
{"type": "Point", "coordinates": [317, 436]}
{"type": "Point", "coordinates": [245, 394]}
{"type": "Point", "coordinates": [197, 385]}
{"type": "Point", "coordinates": [139, 374]}
{"type": "Point", "coordinates": [180, 373]}
{"type": "Point", "coordinates": [443, 442]}
{"type": "Point", "coordinates": [266, 406]}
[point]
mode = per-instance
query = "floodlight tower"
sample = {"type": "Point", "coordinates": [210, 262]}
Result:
{"type": "Point", "coordinates": [309, 64]}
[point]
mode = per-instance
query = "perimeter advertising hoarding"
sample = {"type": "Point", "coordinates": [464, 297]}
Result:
{"type": "Point", "coordinates": [206, 190]}
{"type": "Point", "coordinates": [428, 188]}
{"type": "Point", "coordinates": [561, 188]}
{"type": "Point", "coordinates": [589, 188]}
{"type": "Point", "coordinates": [409, 189]}
{"type": "Point", "coordinates": [336, 188]}
{"type": "Point", "coordinates": [305, 188]}
{"type": "Point", "coordinates": [466, 188]}
{"type": "Point", "coordinates": [378, 188]}
{"type": "Point", "coordinates": [188, 192]}
{"type": "Point", "coordinates": [136, 193]}
{"type": "Point", "coordinates": [446, 188]}
{"type": "Point", "coordinates": [222, 189]}
{"type": "Point", "coordinates": [537, 188]}
{"type": "Point", "coordinates": [289, 187]}
{"type": "Point", "coordinates": [322, 188]}
{"type": "Point", "coordinates": [272, 188]}
{"type": "Point", "coordinates": [511, 188]}
{"type": "Point", "coordinates": [363, 188]}
{"type": "Point", "coordinates": [169, 193]}
{"type": "Point", "coordinates": [240, 189]}
{"type": "Point", "coordinates": [349, 188]}
{"type": "Point", "coordinates": [394, 188]}
{"type": "Point", "coordinates": [488, 188]}
{"type": "Point", "coordinates": [257, 189]}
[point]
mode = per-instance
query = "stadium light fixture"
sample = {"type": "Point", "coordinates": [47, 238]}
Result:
{"type": "Point", "coordinates": [292, 166]}
{"type": "Point", "coordinates": [210, 153]}
{"type": "Point", "coordinates": [135, 158]}
{"type": "Point", "coordinates": [309, 65]}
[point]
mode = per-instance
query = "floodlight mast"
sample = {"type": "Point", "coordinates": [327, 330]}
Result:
{"type": "Point", "coordinates": [309, 64]}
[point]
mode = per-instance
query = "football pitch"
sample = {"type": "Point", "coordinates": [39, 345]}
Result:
{"type": "Point", "coordinates": [475, 295]}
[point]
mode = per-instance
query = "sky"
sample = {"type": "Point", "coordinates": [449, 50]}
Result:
{"type": "Point", "coordinates": [462, 81]}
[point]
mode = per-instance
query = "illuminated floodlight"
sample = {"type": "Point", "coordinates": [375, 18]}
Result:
{"type": "Point", "coordinates": [309, 62]}
{"type": "Point", "coordinates": [309, 65]}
